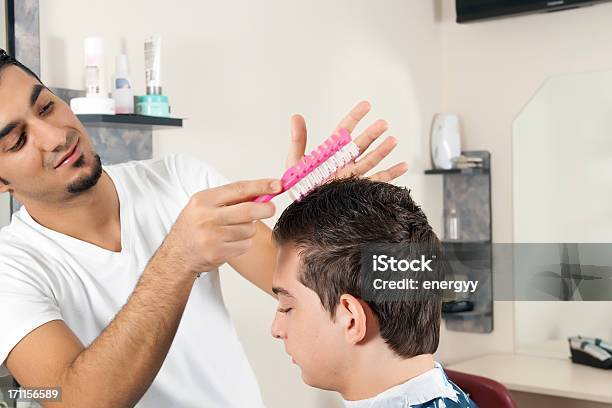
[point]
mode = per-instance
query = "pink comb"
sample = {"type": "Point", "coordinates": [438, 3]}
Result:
{"type": "Point", "coordinates": [334, 153]}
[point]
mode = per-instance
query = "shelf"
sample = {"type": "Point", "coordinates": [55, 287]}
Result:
{"type": "Point", "coordinates": [459, 241]}
{"type": "Point", "coordinates": [130, 121]}
{"type": "Point", "coordinates": [458, 171]}
{"type": "Point", "coordinates": [468, 315]}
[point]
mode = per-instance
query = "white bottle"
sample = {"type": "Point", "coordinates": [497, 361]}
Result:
{"type": "Point", "coordinates": [96, 100]}
{"type": "Point", "coordinates": [445, 140]}
{"type": "Point", "coordinates": [123, 93]}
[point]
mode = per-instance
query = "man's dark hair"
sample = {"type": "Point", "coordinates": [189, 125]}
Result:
{"type": "Point", "coordinates": [329, 227]}
{"type": "Point", "coordinates": [7, 60]}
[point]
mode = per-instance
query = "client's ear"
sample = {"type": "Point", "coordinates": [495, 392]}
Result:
{"type": "Point", "coordinates": [352, 316]}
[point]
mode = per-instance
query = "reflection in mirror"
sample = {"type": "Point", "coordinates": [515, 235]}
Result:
{"type": "Point", "coordinates": [562, 178]}
{"type": "Point", "coordinates": [4, 198]}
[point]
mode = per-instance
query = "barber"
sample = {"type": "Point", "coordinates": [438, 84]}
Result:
{"type": "Point", "coordinates": [99, 287]}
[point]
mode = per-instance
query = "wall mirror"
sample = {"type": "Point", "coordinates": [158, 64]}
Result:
{"type": "Point", "coordinates": [562, 189]}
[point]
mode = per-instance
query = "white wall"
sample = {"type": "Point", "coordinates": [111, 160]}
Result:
{"type": "Point", "coordinates": [238, 70]}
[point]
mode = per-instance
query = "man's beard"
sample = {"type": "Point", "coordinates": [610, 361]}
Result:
{"type": "Point", "coordinates": [86, 182]}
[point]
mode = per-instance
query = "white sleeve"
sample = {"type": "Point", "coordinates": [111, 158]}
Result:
{"type": "Point", "coordinates": [194, 175]}
{"type": "Point", "coordinates": [24, 306]}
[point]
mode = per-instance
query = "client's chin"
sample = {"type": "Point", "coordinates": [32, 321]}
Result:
{"type": "Point", "coordinates": [86, 181]}
{"type": "Point", "coordinates": [316, 383]}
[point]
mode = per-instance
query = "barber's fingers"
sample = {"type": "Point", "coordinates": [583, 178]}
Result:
{"type": "Point", "coordinates": [370, 160]}
{"type": "Point", "coordinates": [238, 232]}
{"type": "Point", "coordinates": [391, 173]}
{"type": "Point", "coordinates": [297, 146]}
{"type": "Point", "coordinates": [372, 132]}
{"type": "Point", "coordinates": [350, 121]}
{"type": "Point", "coordinates": [240, 191]}
{"type": "Point", "coordinates": [245, 212]}
{"type": "Point", "coordinates": [297, 143]}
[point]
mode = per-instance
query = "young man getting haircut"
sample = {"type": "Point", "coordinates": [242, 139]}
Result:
{"type": "Point", "coordinates": [375, 353]}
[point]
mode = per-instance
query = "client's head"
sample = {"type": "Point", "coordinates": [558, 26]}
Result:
{"type": "Point", "coordinates": [322, 318]}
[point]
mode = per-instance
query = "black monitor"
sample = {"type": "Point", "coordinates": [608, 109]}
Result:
{"type": "Point", "coordinates": [470, 10]}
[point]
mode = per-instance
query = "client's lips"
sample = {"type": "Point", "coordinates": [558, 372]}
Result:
{"type": "Point", "coordinates": [70, 157]}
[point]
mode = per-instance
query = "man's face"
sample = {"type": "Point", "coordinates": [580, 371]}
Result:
{"type": "Point", "coordinates": [315, 342]}
{"type": "Point", "coordinates": [45, 153]}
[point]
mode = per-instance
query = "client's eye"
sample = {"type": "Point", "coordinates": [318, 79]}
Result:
{"type": "Point", "coordinates": [281, 310]}
{"type": "Point", "coordinates": [45, 110]}
{"type": "Point", "coordinates": [20, 142]}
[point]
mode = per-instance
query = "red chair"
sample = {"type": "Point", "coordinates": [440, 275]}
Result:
{"type": "Point", "coordinates": [485, 392]}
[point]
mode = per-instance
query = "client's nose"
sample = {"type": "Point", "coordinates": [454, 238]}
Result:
{"type": "Point", "coordinates": [278, 331]}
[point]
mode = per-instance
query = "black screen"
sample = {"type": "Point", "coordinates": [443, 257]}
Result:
{"type": "Point", "coordinates": [468, 10]}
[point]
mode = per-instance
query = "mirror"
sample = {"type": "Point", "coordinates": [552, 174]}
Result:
{"type": "Point", "coordinates": [5, 208]}
{"type": "Point", "coordinates": [562, 173]}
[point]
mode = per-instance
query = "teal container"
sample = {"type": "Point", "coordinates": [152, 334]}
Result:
{"type": "Point", "coordinates": [153, 105]}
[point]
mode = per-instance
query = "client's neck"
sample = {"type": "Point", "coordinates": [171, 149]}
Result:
{"type": "Point", "coordinates": [377, 369]}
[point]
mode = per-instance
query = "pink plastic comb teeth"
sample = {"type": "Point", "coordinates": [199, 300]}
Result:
{"type": "Point", "coordinates": [315, 168]}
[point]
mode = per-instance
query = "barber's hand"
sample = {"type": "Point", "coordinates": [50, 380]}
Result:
{"type": "Point", "coordinates": [363, 141]}
{"type": "Point", "coordinates": [218, 224]}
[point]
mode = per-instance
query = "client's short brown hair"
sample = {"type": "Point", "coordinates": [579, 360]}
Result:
{"type": "Point", "coordinates": [329, 227]}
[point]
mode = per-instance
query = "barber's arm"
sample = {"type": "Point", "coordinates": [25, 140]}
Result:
{"type": "Point", "coordinates": [118, 367]}
{"type": "Point", "coordinates": [257, 265]}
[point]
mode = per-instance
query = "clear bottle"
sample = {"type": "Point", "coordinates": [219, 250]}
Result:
{"type": "Point", "coordinates": [453, 225]}
{"type": "Point", "coordinates": [123, 93]}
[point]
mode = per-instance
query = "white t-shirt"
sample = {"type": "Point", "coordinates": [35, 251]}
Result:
{"type": "Point", "coordinates": [46, 275]}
